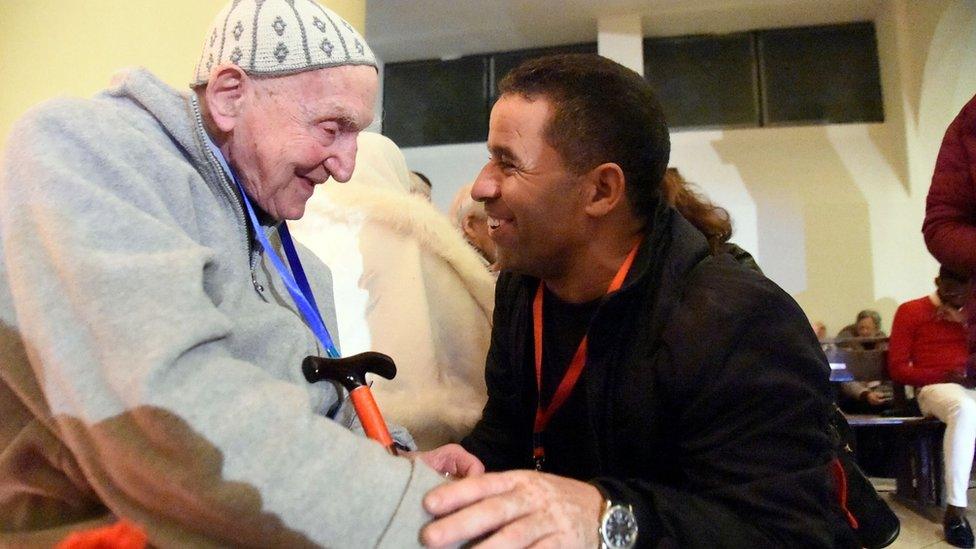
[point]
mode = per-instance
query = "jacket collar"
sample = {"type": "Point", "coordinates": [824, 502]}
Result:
{"type": "Point", "coordinates": [179, 115]}
{"type": "Point", "coordinates": [176, 112]}
{"type": "Point", "coordinates": [671, 248]}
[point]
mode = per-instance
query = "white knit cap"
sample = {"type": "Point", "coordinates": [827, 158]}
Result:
{"type": "Point", "coordinates": [279, 37]}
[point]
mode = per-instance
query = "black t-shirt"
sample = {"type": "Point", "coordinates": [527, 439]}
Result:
{"type": "Point", "coordinates": [569, 439]}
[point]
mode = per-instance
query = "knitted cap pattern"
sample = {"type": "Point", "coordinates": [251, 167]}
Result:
{"type": "Point", "coordinates": [279, 37]}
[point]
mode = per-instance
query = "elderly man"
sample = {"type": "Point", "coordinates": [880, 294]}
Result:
{"type": "Point", "coordinates": [668, 397]}
{"type": "Point", "coordinates": [150, 350]}
{"type": "Point", "coordinates": [470, 219]}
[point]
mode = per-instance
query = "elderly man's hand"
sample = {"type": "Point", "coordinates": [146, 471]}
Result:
{"type": "Point", "coordinates": [450, 460]}
{"type": "Point", "coordinates": [514, 509]}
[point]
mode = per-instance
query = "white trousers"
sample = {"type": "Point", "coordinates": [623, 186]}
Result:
{"type": "Point", "coordinates": [956, 407]}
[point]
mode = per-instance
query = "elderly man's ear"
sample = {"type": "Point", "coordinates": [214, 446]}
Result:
{"type": "Point", "coordinates": [225, 96]}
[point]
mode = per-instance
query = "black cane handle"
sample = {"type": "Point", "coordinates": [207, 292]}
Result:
{"type": "Point", "coordinates": [350, 371]}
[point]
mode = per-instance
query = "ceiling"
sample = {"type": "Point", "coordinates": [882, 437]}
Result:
{"type": "Point", "coordinates": [403, 30]}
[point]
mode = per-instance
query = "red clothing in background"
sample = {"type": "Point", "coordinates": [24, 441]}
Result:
{"type": "Point", "coordinates": [950, 207]}
{"type": "Point", "coordinates": [924, 347]}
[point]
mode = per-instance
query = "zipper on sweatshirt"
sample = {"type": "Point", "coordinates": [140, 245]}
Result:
{"type": "Point", "coordinates": [249, 249]}
{"type": "Point", "coordinates": [254, 275]}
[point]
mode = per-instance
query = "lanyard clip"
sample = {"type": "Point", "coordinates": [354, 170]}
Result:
{"type": "Point", "coordinates": [538, 452]}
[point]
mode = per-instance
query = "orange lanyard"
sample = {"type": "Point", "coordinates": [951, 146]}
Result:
{"type": "Point", "coordinates": [565, 388]}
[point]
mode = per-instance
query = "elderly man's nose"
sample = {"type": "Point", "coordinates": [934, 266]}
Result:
{"type": "Point", "coordinates": [342, 160]}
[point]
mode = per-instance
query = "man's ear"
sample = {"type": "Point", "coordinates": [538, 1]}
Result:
{"type": "Point", "coordinates": [608, 188]}
{"type": "Point", "coordinates": [225, 96]}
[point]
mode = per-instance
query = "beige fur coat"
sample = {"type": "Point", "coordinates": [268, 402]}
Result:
{"type": "Point", "coordinates": [408, 285]}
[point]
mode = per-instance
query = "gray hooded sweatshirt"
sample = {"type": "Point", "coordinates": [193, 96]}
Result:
{"type": "Point", "coordinates": [150, 357]}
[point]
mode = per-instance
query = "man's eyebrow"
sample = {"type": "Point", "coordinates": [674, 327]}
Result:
{"type": "Point", "coordinates": [347, 122]}
{"type": "Point", "coordinates": [501, 152]}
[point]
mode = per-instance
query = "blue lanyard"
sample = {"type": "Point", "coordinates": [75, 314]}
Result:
{"type": "Point", "coordinates": [297, 285]}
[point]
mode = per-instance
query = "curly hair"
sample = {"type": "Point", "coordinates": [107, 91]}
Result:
{"type": "Point", "coordinates": [713, 221]}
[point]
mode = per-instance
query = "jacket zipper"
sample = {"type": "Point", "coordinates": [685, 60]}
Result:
{"type": "Point", "coordinates": [235, 200]}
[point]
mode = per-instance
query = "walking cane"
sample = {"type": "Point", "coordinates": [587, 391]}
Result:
{"type": "Point", "coordinates": [351, 372]}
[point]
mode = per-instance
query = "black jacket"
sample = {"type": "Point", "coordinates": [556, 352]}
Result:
{"type": "Point", "coordinates": [706, 392]}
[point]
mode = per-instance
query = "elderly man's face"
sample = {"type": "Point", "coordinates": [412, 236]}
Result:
{"type": "Point", "coordinates": [866, 327]}
{"type": "Point", "coordinates": [294, 132]}
{"type": "Point", "coordinates": [534, 207]}
{"type": "Point", "coordinates": [475, 227]}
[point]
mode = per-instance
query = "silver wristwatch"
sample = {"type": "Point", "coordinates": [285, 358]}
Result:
{"type": "Point", "coordinates": [618, 526]}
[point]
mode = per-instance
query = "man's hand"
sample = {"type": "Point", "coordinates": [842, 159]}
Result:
{"type": "Point", "coordinates": [514, 509]}
{"type": "Point", "coordinates": [450, 460]}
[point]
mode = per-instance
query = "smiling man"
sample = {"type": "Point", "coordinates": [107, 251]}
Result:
{"type": "Point", "coordinates": [665, 397]}
{"type": "Point", "coordinates": [150, 350]}
{"type": "Point", "coordinates": [287, 134]}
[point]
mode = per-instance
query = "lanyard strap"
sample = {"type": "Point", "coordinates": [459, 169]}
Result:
{"type": "Point", "coordinates": [572, 375]}
{"type": "Point", "coordinates": [295, 281]}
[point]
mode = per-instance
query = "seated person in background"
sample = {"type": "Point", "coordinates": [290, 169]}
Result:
{"type": "Point", "coordinates": [665, 396]}
{"type": "Point", "coordinates": [470, 219]}
{"type": "Point", "coordinates": [407, 285]}
{"type": "Point", "coordinates": [857, 397]}
{"type": "Point", "coordinates": [928, 350]}
{"type": "Point", "coordinates": [820, 329]}
{"type": "Point", "coordinates": [867, 324]}
{"type": "Point", "coordinates": [713, 221]}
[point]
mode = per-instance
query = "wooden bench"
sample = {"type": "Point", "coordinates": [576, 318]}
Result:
{"type": "Point", "coordinates": [916, 440]}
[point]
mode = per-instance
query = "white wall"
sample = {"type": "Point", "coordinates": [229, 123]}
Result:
{"type": "Point", "coordinates": [449, 167]}
{"type": "Point", "coordinates": [832, 213]}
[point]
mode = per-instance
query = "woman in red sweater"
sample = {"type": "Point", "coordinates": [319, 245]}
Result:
{"type": "Point", "coordinates": [928, 349]}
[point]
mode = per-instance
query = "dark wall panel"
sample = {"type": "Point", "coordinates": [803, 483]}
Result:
{"type": "Point", "coordinates": [821, 75]}
{"type": "Point", "coordinates": [704, 81]}
{"type": "Point", "coordinates": [436, 102]}
{"type": "Point", "coordinates": [805, 75]}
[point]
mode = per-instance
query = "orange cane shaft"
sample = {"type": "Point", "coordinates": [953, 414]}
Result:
{"type": "Point", "coordinates": [371, 418]}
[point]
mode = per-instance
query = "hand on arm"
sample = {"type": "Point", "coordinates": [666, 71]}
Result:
{"type": "Point", "coordinates": [450, 460]}
{"type": "Point", "coordinates": [514, 509]}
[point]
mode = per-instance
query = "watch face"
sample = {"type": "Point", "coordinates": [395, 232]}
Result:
{"type": "Point", "coordinates": [619, 528]}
